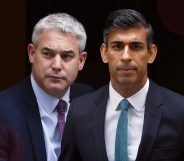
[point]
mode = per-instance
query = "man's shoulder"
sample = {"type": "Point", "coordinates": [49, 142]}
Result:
{"type": "Point", "coordinates": [164, 94]}
{"type": "Point", "coordinates": [15, 90]}
{"type": "Point", "coordinates": [78, 89]}
{"type": "Point", "coordinates": [95, 94]}
{"type": "Point", "coordinates": [165, 90]}
{"type": "Point", "coordinates": [82, 86]}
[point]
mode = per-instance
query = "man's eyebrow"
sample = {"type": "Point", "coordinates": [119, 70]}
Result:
{"type": "Point", "coordinates": [137, 42]}
{"type": "Point", "coordinates": [114, 42]}
{"type": "Point", "coordinates": [67, 51]}
{"type": "Point", "coordinates": [47, 49]}
{"type": "Point", "coordinates": [132, 42]}
{"type": "Point", "coordinates": [61, 52]}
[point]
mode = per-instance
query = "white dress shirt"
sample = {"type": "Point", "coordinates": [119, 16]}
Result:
{"type": "Point", "coordinates": [135, 121]}
{"type": "Point", "coordinates": [49, 120]}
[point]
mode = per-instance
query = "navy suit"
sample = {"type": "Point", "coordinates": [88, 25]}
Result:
{"type": "Point", "coordinates": [21, 132]}
{"type": "Point", "coordinates": [163, 129]}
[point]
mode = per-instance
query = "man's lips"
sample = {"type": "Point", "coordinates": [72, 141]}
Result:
{"type": "Point", "coordinates": [126, 68]}
{"type": "Point", "coordinates": [55, 77]}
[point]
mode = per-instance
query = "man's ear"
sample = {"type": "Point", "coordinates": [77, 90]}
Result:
{"type": "Point", "coordinates": [31, 52]}
{"type": "Point", "coordinates": [82, 60]}
{"type": "Point", "coordinates": [152, 53]}
{"type": "Point", "coordinates": [103, 51]}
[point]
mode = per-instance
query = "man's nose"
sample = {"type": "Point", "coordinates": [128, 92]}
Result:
{"type": "Point", "coordinates": [57, 62]}
{"type": "Point", "coordinates": [126, 53]}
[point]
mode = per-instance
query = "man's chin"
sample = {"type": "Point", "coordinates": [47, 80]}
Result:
{"type": "Point", "coordinates": [56, 91]}
{"type": "Point", "coordinates": [57, 87]}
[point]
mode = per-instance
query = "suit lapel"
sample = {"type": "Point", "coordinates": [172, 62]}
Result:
{"type": "Point", "coordinates": [98, 118]}
{"type": "Point", "coordinates": [152, 119]}
{"type": "Point", "coordinates": [151, 125]}
{"type": "Point", "coordinates": [34, 123]}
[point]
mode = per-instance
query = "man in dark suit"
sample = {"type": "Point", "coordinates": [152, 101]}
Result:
{"type": "Point", "coordinates": [29, 129]}
{"type": "Point", "coordinates": [155, 115]}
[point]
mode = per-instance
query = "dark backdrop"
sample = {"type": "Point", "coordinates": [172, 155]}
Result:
{"type": "Point", "coordinates": [166, 17]}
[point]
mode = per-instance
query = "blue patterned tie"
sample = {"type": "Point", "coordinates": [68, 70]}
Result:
{"type": "Point", "coordinates": [121, 133]}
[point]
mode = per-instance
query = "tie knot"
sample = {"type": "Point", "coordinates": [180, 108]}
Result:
{"type": "Point", "coordinates": [61, 106]}
{"type": "Point", "coordinates": [124, 104]}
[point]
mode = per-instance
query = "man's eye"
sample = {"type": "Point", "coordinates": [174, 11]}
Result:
{"type": "Point", "coordinates": [117, 46]}
{"type": "Point", "coordinates": [48, 54]}
{"type": "Point", "coordinates": [67, 57]}
{"type": "Point", "coordinates": [136, 46]}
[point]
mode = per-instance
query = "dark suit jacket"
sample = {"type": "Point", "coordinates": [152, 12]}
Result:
{"type": "Point", "coordinates": [21, 132]}
{"type": "Point", "coordinates": [163, 129]}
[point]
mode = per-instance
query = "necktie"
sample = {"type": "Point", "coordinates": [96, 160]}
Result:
{"type": "Point", "coordinates": [61, 108]}
{"type": "Point", "coordinates": [121, 133]}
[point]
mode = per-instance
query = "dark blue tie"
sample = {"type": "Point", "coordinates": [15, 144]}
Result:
{"type": "Point", "coordinates": [121, 133]}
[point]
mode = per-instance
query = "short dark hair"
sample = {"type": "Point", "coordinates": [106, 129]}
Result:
{"type": "Point", "coordinates": [127, 18]}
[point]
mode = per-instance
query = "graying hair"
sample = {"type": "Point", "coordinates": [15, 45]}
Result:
{"type": "Point", "coordinates": [62, 22]}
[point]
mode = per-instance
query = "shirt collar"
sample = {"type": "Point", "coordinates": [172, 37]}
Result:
{"type": "Point", "coordinates": [45, 101]}
{"type": "Point", "coordinates": [137, 100]}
